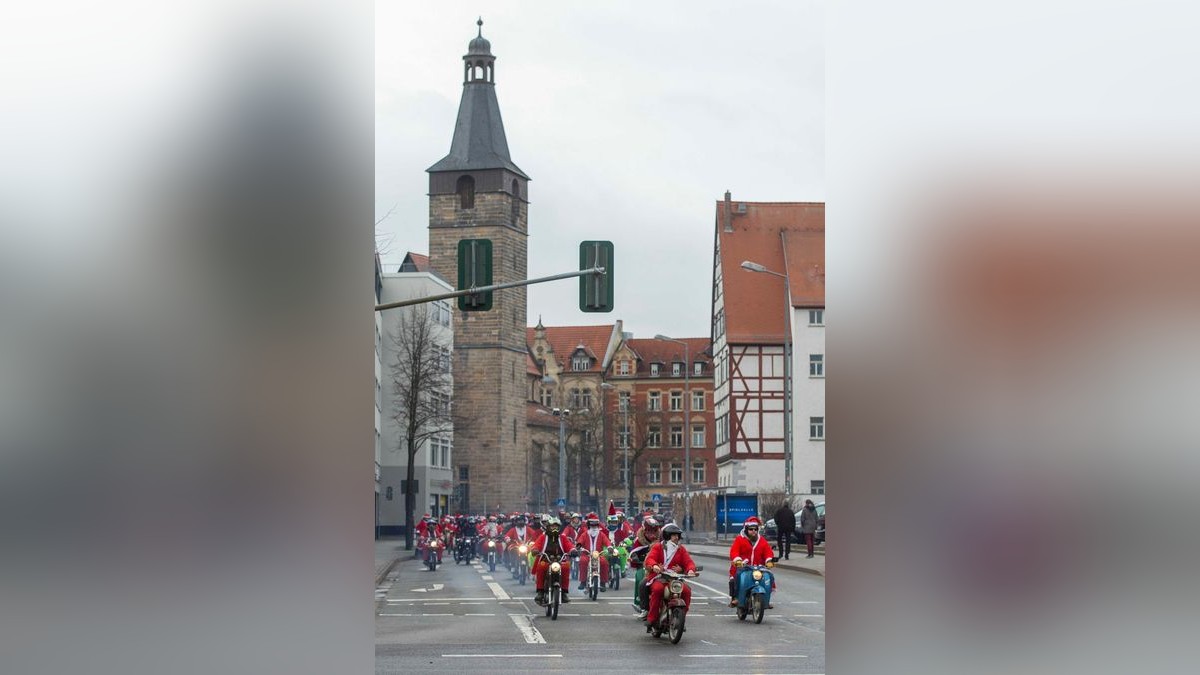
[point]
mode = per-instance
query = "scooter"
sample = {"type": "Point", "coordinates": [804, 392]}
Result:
{"type": "Point", "coordinates": [593, 584]}
{"type": "Point", "coordinates": [465, 550]}
{"type": "Point", "coordinates": [615, 556]}
{"type": "Point", "coordinates": [754, 589]}
{"type": "Point", "coordinates": [432, 548]}
{"type": "Point", "coordinates": [554, 582]}
{"type": "Point", "coordinates": [674, 610]}
{"type": "Point", "coordinates": [521, 574]}
{"type": "Point", "coordinates": [493, 552]}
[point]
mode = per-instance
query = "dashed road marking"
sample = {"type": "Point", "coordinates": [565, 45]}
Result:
{"type": "Point", "coordinates": [499, 592]}
{"type": "Point", "coordinates": [525, 625]}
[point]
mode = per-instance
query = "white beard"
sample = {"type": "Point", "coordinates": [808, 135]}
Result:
{"type": "Point", "coordinates": [594, 531]}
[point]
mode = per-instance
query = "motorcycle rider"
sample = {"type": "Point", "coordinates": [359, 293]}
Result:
{"type": "Point", "coordinates": [594, 538]}
{"type": "Point", "coordinates": [554, 544]}
{"type": "Point", "coordinates": [518, 534]}
{"type": "Point", "coordinates": [667, 554]}
{"type": "Point", "coordinates": [573, 529]}
{"type": "Point", "coordinates": [647, 535]}
{"type": "Point", "coordinates": [624, 529]}
{"type": "Point", "coordinates": [750, 548]}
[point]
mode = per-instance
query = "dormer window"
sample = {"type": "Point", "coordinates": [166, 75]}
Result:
{"type": "Point", "coordinates": [623, 367]}
{"type": "Point", "coordinates": [653, 368]}
{"type": "Point", "coordinates": [676, 369]}
{"type": "Point", "coordinates": [698, 368]}
{"type": "Point", "coordinates": [581, 363]}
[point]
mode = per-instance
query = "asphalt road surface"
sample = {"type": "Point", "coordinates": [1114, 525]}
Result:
{"type": "Point", "coordinates": [464, 618]}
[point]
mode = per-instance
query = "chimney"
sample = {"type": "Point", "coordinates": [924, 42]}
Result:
{"type": "Point", "coordinates": [728, 212]}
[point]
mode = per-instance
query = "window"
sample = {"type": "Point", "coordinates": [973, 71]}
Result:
{"type": "Point", "coordinates": [547, 397]}
{"type": "Point", "coordinates": [466, 192]}
{"type": "Point", "coordinates": [623, 367]}
{"type": "Point", "coordinates": [676, 475]}
{"type": "Point", "coordinates": [654, 369]}
{"type": "Point", "coordinates": [698, 473]}
{"type": "Point", "coordinates": [697, 435]}
{"type": "Point", "coordinates": [441, 312]}
{"type": "Point", "coordinates": [622, 475]}
{"type": "Point", "coordinates": [624, 437]}
{"type": "Point", "coordinates": [654, 436]}
{"type": "Point", "coordinates": [676, 436]}
{"type": "Point", "coordinates": [440, 403]}
{"type": "Point", "coordinates": [581, 363]}
{"type": "Point", "coordinates": [816, 487]}
{"type": "Point", "coordinates": [443, 356]}
{"type": "Point", "coordinates": [622, 401]}
{"type": "Point", "coordinates": [516, 203]}
{"type": "Point", "coordinates": [587, 437]}
{"type": "Point", "coordinates": [378, 395]}
{"type": "Point", "coordinates": [697, 400]}
{"type": "Point", "coordinates": [816, 428]}
{"type": "Point", "coordinates": [654, 473]}
{"type": "Point", "coordinates": [677, 369]}
{"type": "Point", "coordinates": [585, 398]}
{"type": "Point", "coordinates": [816, 365]}
{"type": "Point", "coordinates": [676, 401]}
{"type": "Point", "coordinates": [654, 401]}
{"type": "Point", "coordinates": [816, 317]}
{"type": "Point", "coordinates": [464, 473]}
{"type": "Point", "coordinates": [698, 368]}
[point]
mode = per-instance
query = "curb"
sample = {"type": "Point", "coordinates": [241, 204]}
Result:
{"type": "Point", "coordinates": [806, 570]}
{"type": "Point", "coordinates": [386, 571]}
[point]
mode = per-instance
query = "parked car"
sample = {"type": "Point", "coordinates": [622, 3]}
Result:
{"type": "Point", "coordinates": [819, 537]}
{"type": "Point", "coordinates": [769, 530]}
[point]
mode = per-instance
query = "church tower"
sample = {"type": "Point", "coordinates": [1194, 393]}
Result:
{"type": "Point", "coordinates": [477, 192]}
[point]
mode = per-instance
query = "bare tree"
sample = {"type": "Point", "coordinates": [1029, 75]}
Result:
{"type": "Point", "coordinates": [640, 423]}
{"type": "Point", "coordinates": [421, 387]}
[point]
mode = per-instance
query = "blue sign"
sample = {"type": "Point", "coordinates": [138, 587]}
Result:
{"type": "Point", "coordinates": [733, 510]}
{"type": "Point", "coordinates": [656, 498]}
{"type": "Point", "coordinates": [560, 503]}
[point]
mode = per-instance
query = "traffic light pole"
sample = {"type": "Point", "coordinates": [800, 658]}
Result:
{"type": "Point", "coordinates": [599, 271]}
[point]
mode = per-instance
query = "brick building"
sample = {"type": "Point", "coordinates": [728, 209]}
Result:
{"type": "Point", "coordinates": [476, 191]}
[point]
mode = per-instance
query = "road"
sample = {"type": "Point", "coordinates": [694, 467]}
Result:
{"type": "Point", "coordinates": [461, 617]}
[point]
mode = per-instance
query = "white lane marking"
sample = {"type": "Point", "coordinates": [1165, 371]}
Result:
{"type": "Point", "coordinates": [395, 600]}
{"type": "Point", "coordinates": [810, 615]}
{"type": "Point", "coordinates": [501, 656]}
{"type": "Point", "coordinates": [718, 591]}
{"type": "Point", "coordinates": [500, 593]}
{"type": "Point", "coordinates": [472, 603]}
{"type": "Point", "coordinates": [437, 615]}
{"type": "Point", "coordinates": [488, 577]}
{"type": "Point", "coordinates": [743, 656]}
{"type": "Point", "coordinates": [435, 603]}
{"type": "Point", "coordinates": [395, 615]}
{"type": "Point", "coordinates": [525, 625]}
{"type": "Point", "coordinates": [479, 615]}
{"type": "Point", "coordinates": [606, 615]}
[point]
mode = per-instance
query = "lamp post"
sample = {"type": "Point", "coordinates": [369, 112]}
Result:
{"type": "Point", "coordinates": [687, 436]}
{"type": "Point", "coordinates": [787, 366]}
{"type": "Point", "coordinates": [561, 414]}
{"type": "Point", "coordinates": [624, 443]}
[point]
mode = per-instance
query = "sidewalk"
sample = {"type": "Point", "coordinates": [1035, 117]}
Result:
{"type": "Point", "coordinates": [387, 552]}
{"type": "Point", "coordinates": [708, 547]}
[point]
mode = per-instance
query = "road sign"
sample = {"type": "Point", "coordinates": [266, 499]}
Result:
{"type": "Point", "coordinates": [560, 503]}
{"type": "Point", "coordinates": [656, 498]}
{"type": "Point", "coordinates": [596, 292]}
{"type": "Point", "coordinates": [475, 270]}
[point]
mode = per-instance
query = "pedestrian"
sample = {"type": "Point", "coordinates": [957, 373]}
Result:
{"type": "Point", "coordinates": [808, 524]}
{"type": "Point", "coordinates": [785, 529]}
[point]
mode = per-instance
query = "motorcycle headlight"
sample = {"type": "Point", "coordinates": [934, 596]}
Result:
{"type": "Point", "coordinates": [491, 544]}
{"type": "Point", "coordinates": [433, 544]}
{"type": "Point", "coordinates": [555, 567]}
{"type": "Point", "coordinates": [595, 554]}
{"type": "Point", "coordinates": [523, 548]}
{"type": "Point", "coordinates": [757, 575]}
{"type": "Point", "coordinates": [676, 587]}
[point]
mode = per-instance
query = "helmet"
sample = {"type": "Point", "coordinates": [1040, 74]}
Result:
{"type": "Point", "coordinates": [650, 523]}
{"type": "Point", "coordinates": [620, 515]}
{"type": "Point", "coordinates": [671, 529]}
{"type": "Point", "coordinates": [519, 520]}
{"type": "Point", "coordinates": [576, 516]}
{"type": "Point", "coordinates": [613, 520]}
{"type": "Point", "coordinates": [491, 519]}
{"type": "Point", "coordinates": [553, 524]}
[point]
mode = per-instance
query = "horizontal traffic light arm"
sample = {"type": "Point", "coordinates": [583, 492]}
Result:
{"type": "Point", "coordinates": [484, 289]}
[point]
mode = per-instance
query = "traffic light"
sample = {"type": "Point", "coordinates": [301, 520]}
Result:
{"type": "Point", "coordinates": [596, 290]}
{"type": "Point", "coordinates": [475, 271]}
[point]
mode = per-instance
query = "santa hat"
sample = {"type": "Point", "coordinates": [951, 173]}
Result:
{"type": "Point", "coordinates": [752, 520]}
{"type": "Point", "coordinates": [612, 508]}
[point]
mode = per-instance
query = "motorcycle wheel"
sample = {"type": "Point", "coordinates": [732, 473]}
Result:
{"type": "Point", "coordinates": [675, 627]}
{"type": "Point", "coordinates": [594, 589]}
{"type": "Point", "coordinates": [760, 608]}
{"type": "Point", "coordinates": [492, 566]}
{"type": "Point", "coordinates": [614, 576]}
{"type": "Point", "coordinates": [524, 576]}
{"type": "Point", "coordinates": [552, 610]}
{"type": "Point", "coordinates": [741, 612]}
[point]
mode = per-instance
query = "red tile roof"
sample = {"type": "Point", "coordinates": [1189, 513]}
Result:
{"type": "Point", "coordinates": [565, 339]}
{"type": "Point", "coordinates": [755, 302]}
{"type": "Point", "coordinates": [421, 262]}
{"type": "Point", "coordinates": [652, 350]}
{"type": "Point", "coordinates": [539, 416]}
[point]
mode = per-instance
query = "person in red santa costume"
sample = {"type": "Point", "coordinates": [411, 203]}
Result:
{"type": "Point", "coordinates": [554, 544]}
{"type": "Point", "coordinates": [750, 548]}
{"type": "Point", "coordinates": [667, 554]}
{"type": "Point", "coordinates": [592, 538]}
{"type": "Point", "coordinates": [517, 534]}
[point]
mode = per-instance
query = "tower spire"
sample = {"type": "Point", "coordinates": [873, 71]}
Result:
{"type": "Point", "coordinates": [480, 24]}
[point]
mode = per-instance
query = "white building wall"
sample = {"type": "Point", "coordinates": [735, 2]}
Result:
{"type": "Point", "coordinates": [808, 401]}
{"type": "Point", "coordinates": [435, 483]}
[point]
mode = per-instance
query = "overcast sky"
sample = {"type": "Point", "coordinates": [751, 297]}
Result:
{"type": "Point", "coordinates": [631, 119]}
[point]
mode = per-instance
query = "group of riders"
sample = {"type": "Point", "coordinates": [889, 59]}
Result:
{"type": "Point", "coordinates": [644, 544]}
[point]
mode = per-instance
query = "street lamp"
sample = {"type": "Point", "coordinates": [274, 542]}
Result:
{"type": "Point", "coordinates": [561, 414]}
{"type": "Point", "coordinates": [787, 364]}
{"type": "Point", "coordinates": [624, 442]}
{"type": "Point", "coordinates": [687, 436]}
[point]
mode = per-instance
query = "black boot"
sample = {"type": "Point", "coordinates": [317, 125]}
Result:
{"type": "Point", "coordinates": [540, 598]}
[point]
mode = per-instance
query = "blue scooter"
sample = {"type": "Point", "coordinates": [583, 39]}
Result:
{"type": "Point", "coordinates": [754, 589]}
